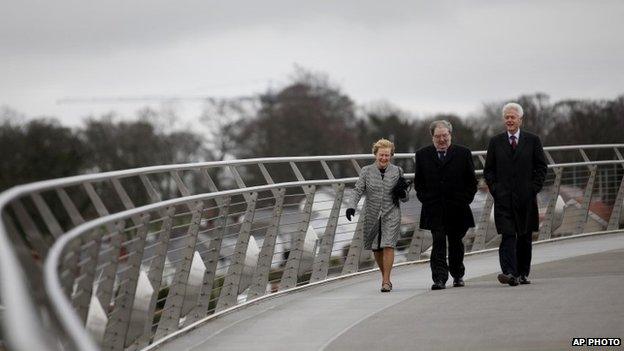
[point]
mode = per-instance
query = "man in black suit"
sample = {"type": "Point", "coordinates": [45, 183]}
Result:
{"type": "Point", "coordinates": [515, 169]}
{"type": "Point", "coordinates": [445, 184]}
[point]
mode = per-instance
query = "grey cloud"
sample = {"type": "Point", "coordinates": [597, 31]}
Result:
{"type": "Point", "coordinates": [442, 55]}
{"type": "Point", "coordinates": [32, 26]}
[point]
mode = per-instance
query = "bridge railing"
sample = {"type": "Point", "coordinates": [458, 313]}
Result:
{"type": "Point", "coordinates": [133, 256]}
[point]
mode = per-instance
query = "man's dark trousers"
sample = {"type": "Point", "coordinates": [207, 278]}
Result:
{"type": "Point", "coordinates": [439, 268]}
{"type": "Point", "coordinates": [515, 253]}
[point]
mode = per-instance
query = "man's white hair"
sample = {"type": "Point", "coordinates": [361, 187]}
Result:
{"type": "Point", "coordinates": [513, 106]}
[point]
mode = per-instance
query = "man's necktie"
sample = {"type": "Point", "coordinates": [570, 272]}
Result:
{"type": "Point", "coordinates": [514, 144]}
{"type": "Point", "coordinates": [441, 155]}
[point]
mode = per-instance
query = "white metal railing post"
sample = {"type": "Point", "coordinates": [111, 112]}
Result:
{"type": "Point", "coordinates": [547, 226]}
{"type": "Point", "coordinates": [230, 287]}
{"type": "Point", "coordinates": [583, 211]}
{"type": "Point", "coordinates": [618, 203]}
{"type": "Point", "coordinates": [321, 261]}
{"type": "Point", "coordinates": [170, 317]}
{"type": "Point", "coordinates": [265, 257]}
{"type": "Point", "coordinates": [291, 271]}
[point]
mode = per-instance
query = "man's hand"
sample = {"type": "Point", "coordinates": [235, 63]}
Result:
{"type": "Point", "coordinates": [349, 213]}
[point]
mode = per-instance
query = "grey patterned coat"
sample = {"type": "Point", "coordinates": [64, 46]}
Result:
{"type": "Point", "coordinates": [378, 205]}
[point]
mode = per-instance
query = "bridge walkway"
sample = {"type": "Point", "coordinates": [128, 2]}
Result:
{"type": "Point", "coordinates": [577, 291]}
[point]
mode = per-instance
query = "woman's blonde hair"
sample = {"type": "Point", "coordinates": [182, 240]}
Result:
{"type": "Point", "coordinates": [383, 144]}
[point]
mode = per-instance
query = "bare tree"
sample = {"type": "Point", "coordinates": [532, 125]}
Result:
{"type": "Point", "coordinates": [221, 118]}
{"type": "Point", "coordinates": [309, 116]}
{"type": "Point", "coordinates": [384, 120]}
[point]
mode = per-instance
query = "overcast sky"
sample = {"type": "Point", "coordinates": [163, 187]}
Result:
{"type": "Point", "coordinates": [423, 56]}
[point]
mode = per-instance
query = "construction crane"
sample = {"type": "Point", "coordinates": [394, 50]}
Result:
{"type": "Point", "coordinates": [149, 98]}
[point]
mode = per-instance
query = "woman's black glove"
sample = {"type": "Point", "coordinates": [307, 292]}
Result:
{"type": "Point", "coordinates": [349, 213]}
{"type": "Point", "coordinates": [400, 190]}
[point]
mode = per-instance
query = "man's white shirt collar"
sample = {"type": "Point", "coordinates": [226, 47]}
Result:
{"type": "Point", "coordinates": [516, 134]}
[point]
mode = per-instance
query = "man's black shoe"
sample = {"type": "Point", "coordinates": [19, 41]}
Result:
{"type": "Point", "coordinates": [507, 279]}
{"type": "Point", "coordinates": [513, 281]}
{"type": "Point", "coordinates": [438, 286]}
{"type": "Point", "coordinates": [524, 280]}
{"type": "Point", "coordinates": [458, 283]}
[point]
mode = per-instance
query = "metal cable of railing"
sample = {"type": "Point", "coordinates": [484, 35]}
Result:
{"type": "Point", "coordinates": [123, 274]}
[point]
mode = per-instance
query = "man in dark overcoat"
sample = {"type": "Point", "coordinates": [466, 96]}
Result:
{"type": "Point", "coordinates": [445, 184]}
{"type": "Point", "coordinates": [515, 170]}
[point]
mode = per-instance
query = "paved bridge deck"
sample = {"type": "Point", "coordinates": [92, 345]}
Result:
{"type": "Point", "coordinates": [577, 291]}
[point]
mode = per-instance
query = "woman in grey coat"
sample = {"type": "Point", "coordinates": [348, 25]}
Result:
{"type": "Point", "coordinates": [382, 214]}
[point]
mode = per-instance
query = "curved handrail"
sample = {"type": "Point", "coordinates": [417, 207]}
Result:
{"type": "Point", "coordinates": [27, 333]}
{"type": "Point", "coordinates": [68, 181]}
